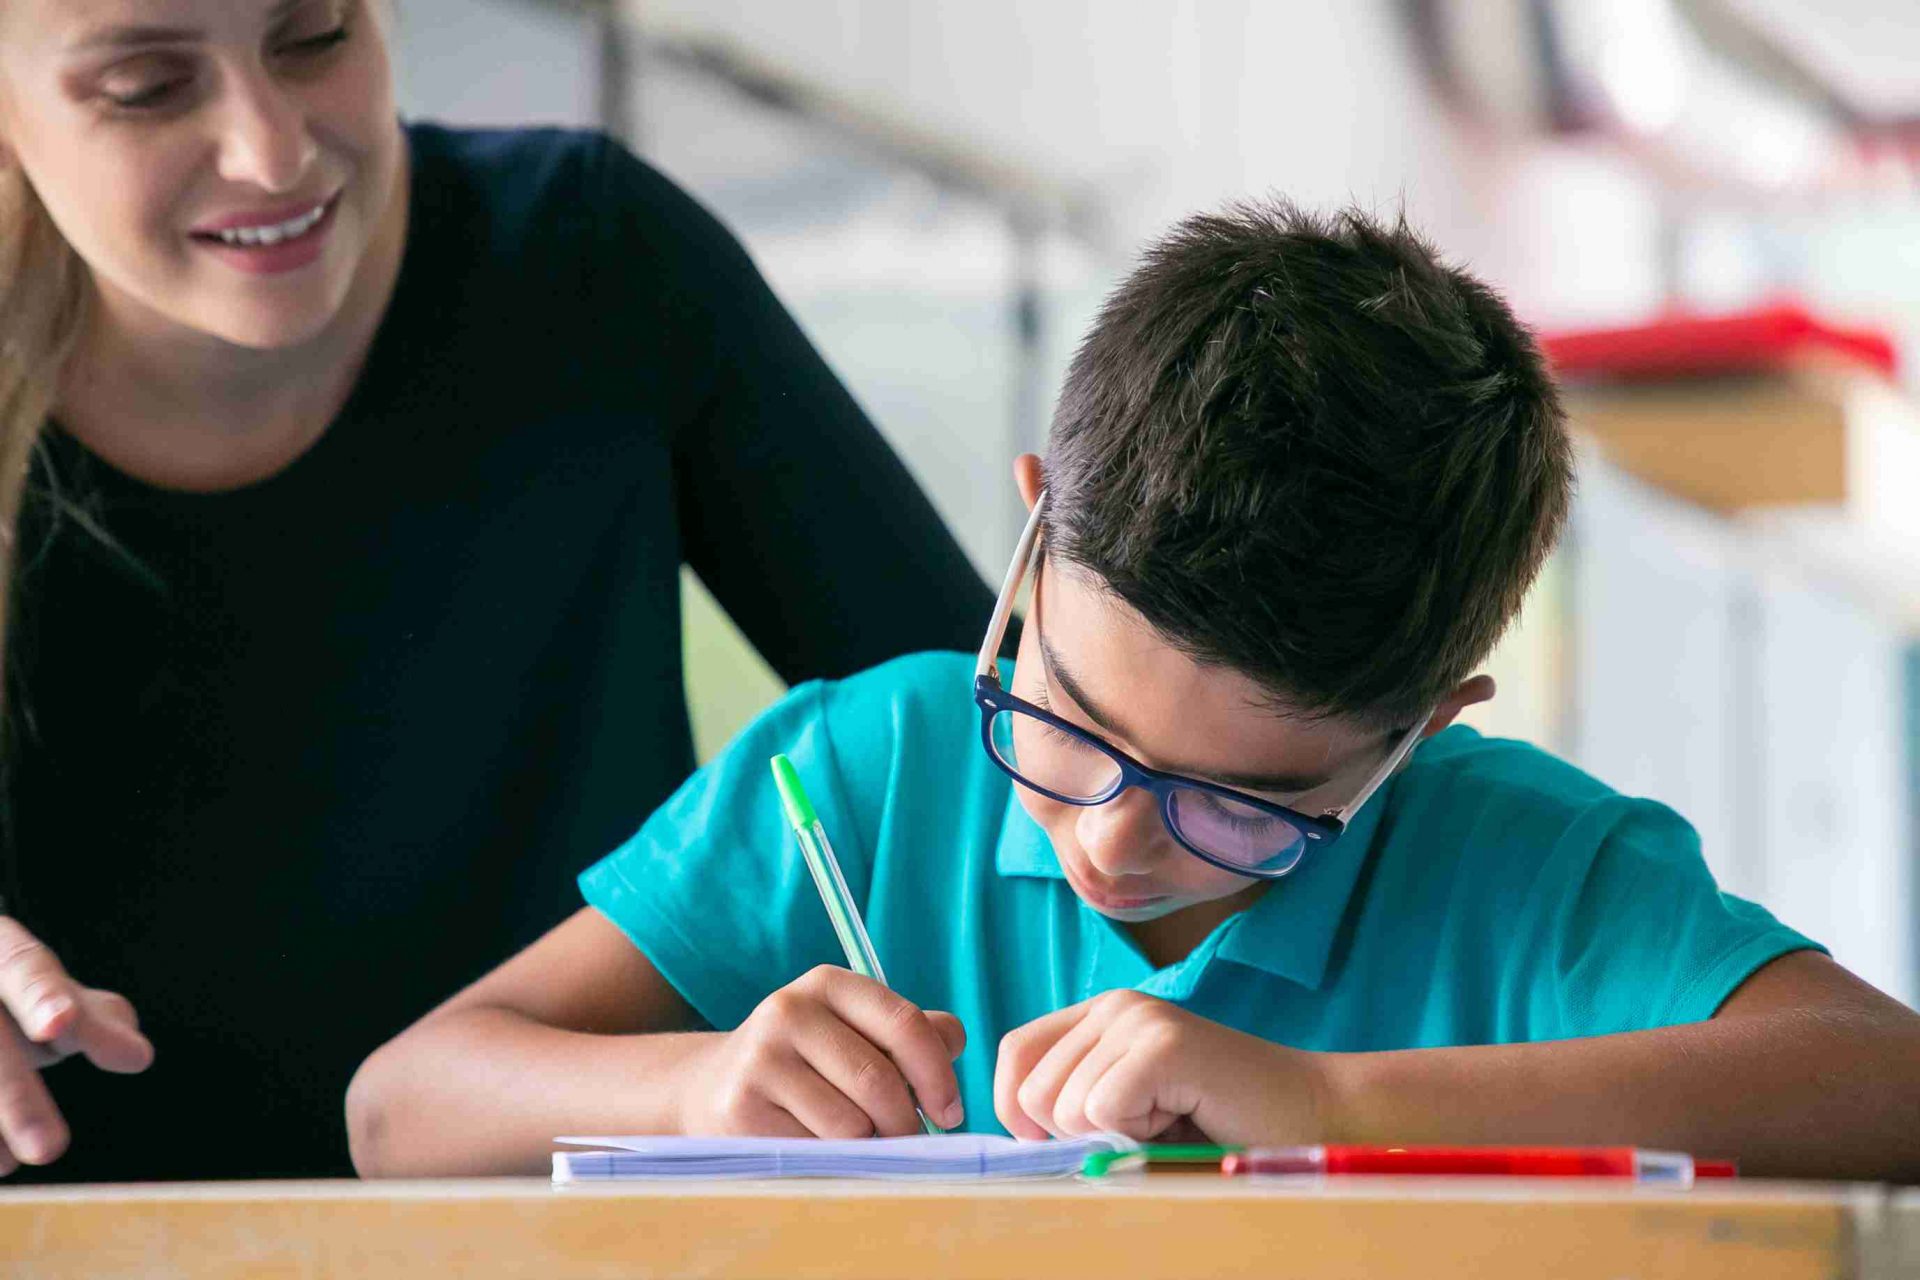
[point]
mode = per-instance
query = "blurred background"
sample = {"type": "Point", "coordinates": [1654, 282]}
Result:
{"type": "Point", "coordinates": [1710, 209]}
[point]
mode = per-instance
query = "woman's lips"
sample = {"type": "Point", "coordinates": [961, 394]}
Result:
{"type": "Point", "coordinates": [264, 217]}
{"type": "Point", "coordinates": [273, 259]}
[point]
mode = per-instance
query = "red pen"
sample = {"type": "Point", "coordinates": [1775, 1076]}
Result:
{"type": "Point", "coordinates": [1659, 1168]}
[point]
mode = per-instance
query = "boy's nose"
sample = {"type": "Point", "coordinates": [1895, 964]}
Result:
{"type": "Point", "coordinates": [1124, 836]}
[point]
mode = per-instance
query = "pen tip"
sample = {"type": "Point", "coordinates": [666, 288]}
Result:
{"type": "Point", "coordinates": [792, 794]}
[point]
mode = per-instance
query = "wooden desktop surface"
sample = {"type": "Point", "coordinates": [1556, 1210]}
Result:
{"type": "Point", "coordinates": [1163, 1225]}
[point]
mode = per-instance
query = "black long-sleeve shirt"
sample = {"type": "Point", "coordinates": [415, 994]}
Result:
{"type": "Point", "coordinates": [290, 764]}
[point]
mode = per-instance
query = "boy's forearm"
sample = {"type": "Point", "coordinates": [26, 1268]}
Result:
{"type": "Point", "coordinates": [485, 1090]}
{"type": "Point", "coordinates": [1793, 1093]}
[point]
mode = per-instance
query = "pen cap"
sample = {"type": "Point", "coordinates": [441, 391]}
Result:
{"type": "Point", "coordinates": [792, 794]}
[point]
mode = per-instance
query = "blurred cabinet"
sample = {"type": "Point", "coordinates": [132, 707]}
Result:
{"type": "Point", "coordinates": [1714, 668]}
{"type": "Point", "coordinates": [1831, 788]}
{"type": "Point", "coordinates": [1657, 659]}
{"type": "Point", "coordinates": [1820, 433]}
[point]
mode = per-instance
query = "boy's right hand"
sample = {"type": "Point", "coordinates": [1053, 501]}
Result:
{"type": "Point", "coordinates": [830, 1055]}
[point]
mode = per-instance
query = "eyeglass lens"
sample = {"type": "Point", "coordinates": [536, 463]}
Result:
{"type": "Point", "coordinates": [1067, 766]}
{"type": "Point", "coordinates": [1051, 759]}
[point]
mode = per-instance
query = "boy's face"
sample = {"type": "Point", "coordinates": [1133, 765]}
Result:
{"type": "Point", "coordinates": [1098, 664]}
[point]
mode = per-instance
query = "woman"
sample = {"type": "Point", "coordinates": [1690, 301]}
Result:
{"type": "Point", "coordinates": [344, 622]}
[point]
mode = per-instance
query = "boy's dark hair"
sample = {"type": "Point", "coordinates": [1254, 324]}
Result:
{"type": "Point", "coordinates": [1306, 449]}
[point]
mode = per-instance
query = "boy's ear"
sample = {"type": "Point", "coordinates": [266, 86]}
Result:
{"type": "Point", "coordinates": [1030, 477]}
{"type": "Point", "coordinates": [1478, 688]}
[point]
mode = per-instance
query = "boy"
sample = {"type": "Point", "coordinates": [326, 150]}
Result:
{"type": "Point", "coordinates": [1182, 869]}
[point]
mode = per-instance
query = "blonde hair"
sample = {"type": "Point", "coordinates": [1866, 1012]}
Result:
{"type": "Point", "coordinates": [42, 306]}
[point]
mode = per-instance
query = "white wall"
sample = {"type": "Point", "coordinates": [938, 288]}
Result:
{"type": "Point", "coordinates": [497, 62]}
{"type": "Point", "coordinates": [1167, 106]}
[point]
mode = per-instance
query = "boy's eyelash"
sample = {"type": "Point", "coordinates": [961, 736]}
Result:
{"type": "Point", "coordinates": [1053, 731]}
{"type": "Point", "coordinates": [1234, 817]}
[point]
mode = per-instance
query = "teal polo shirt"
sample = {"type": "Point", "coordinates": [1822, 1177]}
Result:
{"type": "Point", "coordinates": [1489, 893]}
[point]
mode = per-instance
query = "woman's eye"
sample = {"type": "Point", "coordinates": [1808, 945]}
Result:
{"type": "Point", "coordinates": [309, 46]}
{"type": "Point", "coordinates": [143, 97]}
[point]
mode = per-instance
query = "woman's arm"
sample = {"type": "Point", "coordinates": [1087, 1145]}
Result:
{"type": "Point", "coordinates": [804, 524]}
{"type": "Point", "coordinates": [793, 509]}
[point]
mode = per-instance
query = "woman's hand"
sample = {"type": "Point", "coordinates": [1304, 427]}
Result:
{"type": "Point", "coordinates": [832, 1055]}
{"type": "Point", "coordinates": [1124, 1062]}
{"type": "Point", "coordinates": [46, 1016]}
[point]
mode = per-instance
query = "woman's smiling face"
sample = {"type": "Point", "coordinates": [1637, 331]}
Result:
{"type": "Point", "coordinates": [221, 166]}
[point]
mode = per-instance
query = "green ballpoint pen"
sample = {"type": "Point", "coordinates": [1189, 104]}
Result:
{"type": "Point", "coordinates": [1100, 1163]}
{"type": "Point", "coordinates": [818, 852]}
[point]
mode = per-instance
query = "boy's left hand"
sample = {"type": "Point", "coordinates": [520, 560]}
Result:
{"type": "Point", "coordinates": [1124, 1062]}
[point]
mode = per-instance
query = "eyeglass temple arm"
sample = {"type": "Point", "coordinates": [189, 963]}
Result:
{"type": "Point", "coordinates": [1003, 608]}
{"type": "Point", "coordinates": [1386, 768]}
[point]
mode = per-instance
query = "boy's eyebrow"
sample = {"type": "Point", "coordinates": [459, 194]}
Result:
{"type": "Point", "coordinates": [1278, 783]}
{"type": "Point", "coordinates": [139, 35]}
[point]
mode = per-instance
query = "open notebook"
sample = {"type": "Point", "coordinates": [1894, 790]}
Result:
{"type": "Point", "coordinates": [946, 1155]}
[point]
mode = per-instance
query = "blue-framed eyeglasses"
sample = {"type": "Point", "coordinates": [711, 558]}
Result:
{"type": "Point", "coordinates": [1230, 829]}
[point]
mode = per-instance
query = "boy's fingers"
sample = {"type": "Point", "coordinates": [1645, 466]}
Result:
{"type": "Point", "coordinates": [1020, 1051]}
{"type": "Point", "coordinates": [30, 1126]}
{"type": "Point", "coordinates": [34, 990]}
{"type": "Point", "coordinates": [1126, 1096]}
{"type": "Point", "coordinates": [1039, 1094]}
{"type": "Point", "coordinates": [904, 1033]}
{"type": "Point", "coordinates": [758, 1116]}
{"type": "Point", "coordinates": [950, 1030]}
{"type": "Point", "coordinates": [817, 1107]}
{"type": "Point", "coordinates": [1099, 1094]}
{"type": "Point", "coordinates": [108, 1032]}
{"type": "Point", "coordinates": [859, 1071]}
{"type": "Point", "coordinates": [779, 1123]}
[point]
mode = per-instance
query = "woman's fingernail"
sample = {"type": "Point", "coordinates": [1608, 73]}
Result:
{"type": "Point", "coordinates": [953, 1115]}
{"type": "Point", "coordinates": [36, 1144]}
{"type": "Point", "coordinates": [47, 1010]}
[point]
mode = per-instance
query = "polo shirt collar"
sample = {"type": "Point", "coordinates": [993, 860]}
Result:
{"type": "Point", "coordinates": [1289, 932]}
{"type": "Point", "coordinates": [1024, 849]}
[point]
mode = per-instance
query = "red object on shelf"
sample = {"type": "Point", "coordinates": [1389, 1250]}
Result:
{"type": "Point", "coordinates": [1692, 345]}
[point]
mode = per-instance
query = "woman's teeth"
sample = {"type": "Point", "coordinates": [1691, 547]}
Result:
{"type": "Point", "coordinates": [276, 234]}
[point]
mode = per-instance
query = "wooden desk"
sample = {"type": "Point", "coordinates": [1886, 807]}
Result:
{"type": "Point", "coordinates": [1165, 1225]}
